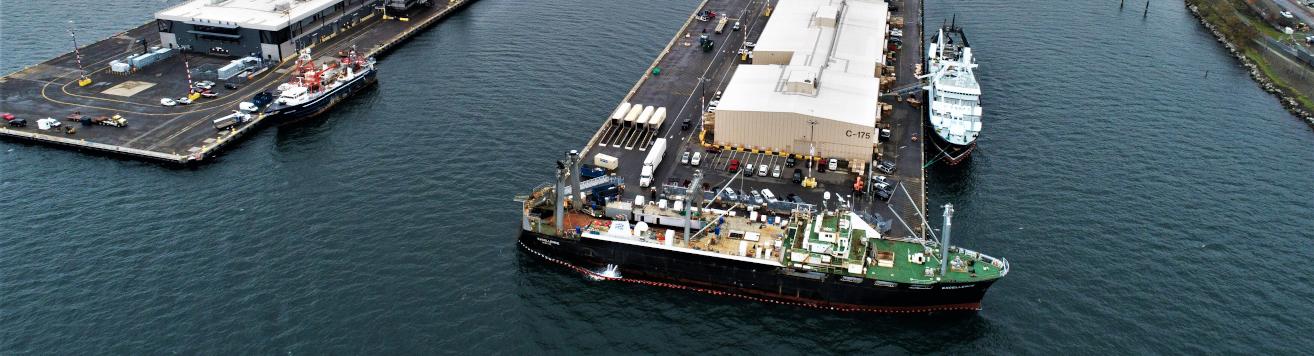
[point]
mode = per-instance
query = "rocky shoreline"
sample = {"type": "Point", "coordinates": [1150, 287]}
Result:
{"type": "Point", "coordinates": [1287, 101]}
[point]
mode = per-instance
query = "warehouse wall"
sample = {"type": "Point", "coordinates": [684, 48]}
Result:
{"type": "Point", "coordinates": [788, 132]}
{"type": "Point", "coordinates": [772, 57]}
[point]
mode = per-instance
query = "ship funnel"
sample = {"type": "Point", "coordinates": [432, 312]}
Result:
{"type": "Point", "coordinates": [944, 238]}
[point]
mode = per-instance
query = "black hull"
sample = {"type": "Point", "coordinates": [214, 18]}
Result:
{"type": "Point", "coordinates": [289, 114]}
{"type": "Point", "coordinates": [718, 276]}
{"type": "Point", "coordinates": [953, 154]}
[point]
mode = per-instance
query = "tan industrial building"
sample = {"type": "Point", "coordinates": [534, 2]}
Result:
{"type": "Point", "coordinates": [813, 82]}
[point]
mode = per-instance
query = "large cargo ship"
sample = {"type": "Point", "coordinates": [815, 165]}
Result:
{"type": "Point", "coordinates": [315, 87]}
{"type": "Point", "coordinates": [954, 94]}
{"type": "Point", "coordinates": [832, 259]}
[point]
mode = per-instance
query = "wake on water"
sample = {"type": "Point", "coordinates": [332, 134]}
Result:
{"type": "Point", "coordinates": [609, 272]}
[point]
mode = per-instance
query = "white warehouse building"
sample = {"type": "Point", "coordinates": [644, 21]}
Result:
{"type": "Point", "coordinates": [813, 81]}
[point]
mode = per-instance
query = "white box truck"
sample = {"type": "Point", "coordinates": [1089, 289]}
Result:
{"type": "Point", "coordinates": [650, 164]}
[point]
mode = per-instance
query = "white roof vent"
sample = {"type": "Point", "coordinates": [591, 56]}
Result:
{"type": "Point", "coordinates": [802, 81]}
{"type": "Point", "coordinates": [827, 16]}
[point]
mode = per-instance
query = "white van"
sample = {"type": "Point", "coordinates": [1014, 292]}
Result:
{"type": "Point", "coordinates": [766, 194]}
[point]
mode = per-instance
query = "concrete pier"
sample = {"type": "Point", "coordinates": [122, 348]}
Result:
{"type": "Point", "coordinates": [689, 77]}
{"type": "Point", "coordinates": [182, 134]}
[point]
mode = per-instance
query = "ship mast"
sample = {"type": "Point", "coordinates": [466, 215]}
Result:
{"type": "Point", "coordinates": [560, 213]}
{"type": "Point", "coordinates": [693, 195]}
{"type": "Point", "coordinates": [944, 238]}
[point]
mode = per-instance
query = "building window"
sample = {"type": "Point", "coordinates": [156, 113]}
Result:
{"type": "Point", "coordinates": [164, 25]}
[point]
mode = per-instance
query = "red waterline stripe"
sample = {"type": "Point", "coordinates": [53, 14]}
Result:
{"type": "Point", "coordinates": [816, 305]}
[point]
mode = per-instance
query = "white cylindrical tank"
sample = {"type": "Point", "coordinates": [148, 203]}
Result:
{"type": "Point", "coordinates": [619, 114]}
{"type": "Point", "coordinates": [645, 115]}
{"type": "Point", "coordinates": [658, 117]}
{"type": "Point", "coordinates": [634, 113]}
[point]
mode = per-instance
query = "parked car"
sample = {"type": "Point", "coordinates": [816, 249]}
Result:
{"type": "Point", "coordinates": [796, 199]}
{"type": "Point", "coordinates": [763, 170]}
{"type": "Point", "coordinates": [734, 166]}
{"type": "Point", "coordinates": [790, 161]}
{"type": "Point", "coordinates": [18, 122]}
{"type": "Point", "coordinates": [7, 116]}
{"type": "Point", "coordinates": [168, 102]}
{"type": "Point", "coordinates": [886, 167]}
{"type": "Point", "coordinates": [757, 197]}
{"type": "Point", "coordinates": [730, 194]}
{"type": "Point", "coordinates": [833, 164]}
{"type": "Point", "coordinates": [697, 159]}
{"type": "Point", "coordinates": [684, 158]}
{"type": "Point", "coordinates": [883, 194]}
{"type": "Point", "coordinates": [798, 175]}
{"type": "Point", "coordinates": [775, 171]}
{"type": "Point", "coordinates": [748, 170]}
{"type": "Point", "coordinates": [768, 195]}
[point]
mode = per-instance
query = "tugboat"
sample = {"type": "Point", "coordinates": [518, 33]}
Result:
{"type": "Point", "coordinates": [954, 94]}
{"type": "Point", "coordinates": [315, 88]}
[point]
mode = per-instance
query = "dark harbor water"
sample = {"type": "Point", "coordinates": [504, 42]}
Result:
{"type": "Point", "coordinates": [1145, 207]}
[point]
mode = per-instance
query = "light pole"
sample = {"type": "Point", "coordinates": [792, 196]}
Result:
{"type": "Point", "coordinates": [812, 145]}
{"type": "Point", "coordinates": [702, 87]}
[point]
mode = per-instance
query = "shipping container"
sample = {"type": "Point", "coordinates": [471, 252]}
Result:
{"type": "Point", "coordinates": [606, 161]}
{"type": "Point", "coordinates": [644, 116]}
{"type": "Point", "coordinates": [619, 114]}
{"type": "Point", "coordinates": [633, 114]}
{"type": "Point", "coordinates": [658, 117]}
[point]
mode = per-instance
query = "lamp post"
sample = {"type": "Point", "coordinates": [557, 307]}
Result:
{"type": "Point", "coordinates": [812, 148]}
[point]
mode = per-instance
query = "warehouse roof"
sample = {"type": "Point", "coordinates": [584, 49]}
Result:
{"type": "Point", "coordinates": [850, 36]}
{"type": "Point", "coordinates": [839, 96]}
{"type": "Point", "coordinates": [270, 15]}
{"type": "Point", "coordinates": [831, 74]}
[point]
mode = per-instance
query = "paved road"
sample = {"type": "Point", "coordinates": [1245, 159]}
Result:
{"type": "Point", "coordinates": [1302, 12]}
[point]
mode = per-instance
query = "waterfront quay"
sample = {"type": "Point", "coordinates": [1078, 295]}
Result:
{"type": "Point", "coordinates": [685, 79]}
{"type": "Point", "coordinates": [183, 133]}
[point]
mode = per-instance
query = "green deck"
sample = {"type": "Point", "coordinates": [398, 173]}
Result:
{"type": "Point", "coordinates": [903, 271]}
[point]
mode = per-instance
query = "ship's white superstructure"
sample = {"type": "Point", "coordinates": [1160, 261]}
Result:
{"type": "Point", "coordinates": [953, 95]}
